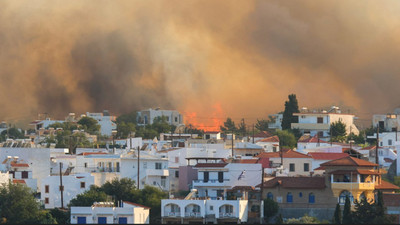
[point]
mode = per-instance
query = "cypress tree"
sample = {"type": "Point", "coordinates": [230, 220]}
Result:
{"type": "Point", "coordinates": [347, 219]}
{"type": "Point", "coordinates": [338, 215]}
{"type": "Point", "coordinates": [291, 107]}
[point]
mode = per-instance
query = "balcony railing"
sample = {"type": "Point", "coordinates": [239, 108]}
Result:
{"type": "Point", "coordinates": [156, 172]}
{"type": "Point", "coordinates": [210, 181]}
{"type": "Point", "coordinates": [102, 170]}
{"type": "Point", "coordinates": [225, 215]}
{"type": "Point", "coordinates": [193, 214]}
{"type": "Point", "coordinates": [353, 185]}
{"type": "Point", "coordinates": [174, 214]}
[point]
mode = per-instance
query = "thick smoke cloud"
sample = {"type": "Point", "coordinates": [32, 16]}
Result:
{"type": "Point", "coordinates": [59, 57]}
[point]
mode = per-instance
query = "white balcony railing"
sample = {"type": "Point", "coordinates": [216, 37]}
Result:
{"type": "Point", "coordinates": [174, 214]}
{"type": "Point", "coordinates": [225, 215]}
{"type": "Point", "coordinates": [192, 214]}
{"type": "Point", "coordinates": [211, 181]}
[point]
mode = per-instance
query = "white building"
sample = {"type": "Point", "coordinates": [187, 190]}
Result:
{"type": "Point", "coordinates": [19, 172]}
{"type": "Point", "coordinates": [270, 144]}
{"type": "Point", "coordinates": [309, 142]}
{"type": "Point", "coordinates": [146, 117]}
{"type": "Point", "coordinates": [276, 121]}
{"type": "Point", "coordinates": [320, 122]}
{"type": "Point", "coordinates": [37, 158]}
{"type": "Point", "coordinates": [387, 122]}
{"type": "Point", "coordinates": [387, 139]}
{"type": "Point", "coordinates": [105, 120]}
{"type": "Point", "coordinates": [107, 213]}
{"type": "Point", "coordinates": [204, 211]}
{"type": "Point", "coordinates": [43, 124]}
{"type": "Point", "coordinates": [72, 186]}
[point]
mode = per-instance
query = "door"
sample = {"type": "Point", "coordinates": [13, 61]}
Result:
{"type": "Point", "coordinates": [102, 220]}
{"type": "Point", "coordinates": [123, 220]}
{"type": "Point", "coordinates": [81, 220]}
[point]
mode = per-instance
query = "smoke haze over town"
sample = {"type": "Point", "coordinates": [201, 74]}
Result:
{"type": "Point", "coordinates": [207, 59]}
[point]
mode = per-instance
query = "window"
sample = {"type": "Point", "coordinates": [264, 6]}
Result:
{"type": "Point", "coordinates": [289, 197]}
{"type": "Point", "coordinates": [342, 197]}
{"type": "Point", "coordinates": [270, 195]}
{"type": "Point", "coordinates": [81, 220]}
{"type": "Point", "coordinates": [83, 185]}
{"type": "Point", "coordinates": [306, 167]}
{"type": "Point", "coordinates": [163, 181]}
{"type": "Point", "coordinates": [102, 220]}
{"type": "Point", "coordinates": [320, 120]}
{"type": "Point", "coordinates": [291, 167]}
{"type": "Point", "coordinates": [206, 176]}
{"type": "Point", "coordinates": [211, 208]}
{"type": "Point", "coordinates": [85, 165]}
{"type": "Point", "coordinates": [176, 119]}
{"type": "Point", "coordinates": [46, 188]}
{"type": "Point", "coordinates": [122, 220]}
{"type": "Point", "coordinates": [301, 194]}
{"type": "Point", "coordinates": [176, 159]}
{"type": "Point", "coordinates": [311, 198]}
{"type": "Point", "coordinates": [158, 166]}
{"type": "Point", "coordinates": [390, 142]}
{"type": "Point", "coordinates": [46, 200]}
{"type": "Point", "coordinates": [220, 177]}
{"type": "Point", "coordinates": [381, 143]}
{"type": "Point", "coordinates": [61, 188]}
{"type": "Point", "coordinates": [228, 209]}
{"type": "Point", "coordinates": [177, 173]}
{"type": "Point", "coordinates": [145, 165]}
{"type": "Point", "coordinates": [24, 174]}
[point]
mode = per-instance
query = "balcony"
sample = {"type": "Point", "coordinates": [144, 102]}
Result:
{"type": "Point", "coordinates": [211, 182]}
{"type": "Point", "coordinates": [174, 214]}
{"type": "Point", "coordinates": [102, 170]}
{"type": "Point", "coordinates": [193, 214]}
{"type": "Point", "coordinates": [226, 215]}
{"type": "Point", "coordinates": [157, 173]}
{"type": "Point", "coordinates": [310, 126]}
{"type": "Point", "coordinates": [353, 186]}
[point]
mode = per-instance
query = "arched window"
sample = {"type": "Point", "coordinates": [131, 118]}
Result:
{"type": "Point", "coordinates": [301, 194]}
{"type": "Point", "coordinates": [342, 197]}
{"type": "Point", "coordinates": [362, 196]}
{"type": "Point", "coordinates": [289, 197]}
{"type": "Point", "coordinates": [311, 198]}
{"type": "Point", "coordinates": [270, 195]}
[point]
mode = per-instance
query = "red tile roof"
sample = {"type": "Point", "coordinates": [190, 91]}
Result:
{"type": "Point", "coordinates": [270, 139]}
{"type": "Point", "coordinates": [211, 165]}
{"type": "Point", "coordinates": [263, 134]}
{"type": "Point", "coordinates": [309, 139]}
{"type": "Point", "coordinates": [93, 153]}
{"type": "Point", "coordinates": [348, 161]}
{"type": "Point", "coordinates": [17, 181]}
{"type": "Point", "coordinates": [386, 186]}
{"type": "Point", "coordinates": [357, 171]}
{"type": "Point", "coordinates": [296, 182]}
{"type": "Point", "coordinates": [327, 156]}
{"type": "Point", "coordinates": [369, 147]}
{"type": "Point", "coordinates": [135, 204]}
{"type": "Point", "coordinates": [250, 161]}
{"type": "Point", "coordinates": [288, 154]}
{"type": "Point", "coordinates": [265, 163]}
{"type": "Point", "coordinates": [19, 164]}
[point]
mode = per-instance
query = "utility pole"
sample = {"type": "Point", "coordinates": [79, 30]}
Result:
{"type": "Point", "coordinates": [253, 133]}
{"type": "Point", "coordinates": [232, 144]}
{"type": "Point", "coordinates": [377, 146]}
{"type": "Point", "coordinates": [330, 131]}
{"type": "Point", "coordinates": [61, 187]}
{"type": "Point", "coordinates": [318, 138]}
{"type": "Point", "coordinates": [396, 133]}
{"type": "Point", "coordinates": [138, 168]}
{"type": "Point", "coordinates": [130, 140]}
{"type": "Point", "coordinates": [351, 140]}
{"type": "Point", "coordinates": [262, 187]}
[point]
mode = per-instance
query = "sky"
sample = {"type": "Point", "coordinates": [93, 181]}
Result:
{"type": "Point", "coordinates": [207, 59]}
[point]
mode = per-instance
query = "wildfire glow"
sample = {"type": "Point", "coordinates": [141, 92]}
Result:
{"type": "Point", "coordinates": [206, 122]}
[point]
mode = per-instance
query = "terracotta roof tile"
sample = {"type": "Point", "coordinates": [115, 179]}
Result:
{"type": "Point", "coordinates": [296, 182]}
{"type": "Point", "coordinates": [386, 186]}
{"type": "Point", "coordinates": [211, 165]}
{"type": "Point", "coordinates": [270, 139]}
{"type": "Point", "coordinates": [19, 164]}
{"type": "Point", "coordinates": [17, 181]}
{"type": "Point", "coordinates": [288, 154]}
{"type": "Point", "coordinates": [348, 161]}
{"type": "Point", "coordinates": [357, 171]}
{"type": "Point", "coordinates": [308, 139]}
{"type": "Point", "coordinates": [263, 134]}
{"type": "Point", "coordinates": [250, 161]}
{"type": "Point", "coordinates": [327, 156]}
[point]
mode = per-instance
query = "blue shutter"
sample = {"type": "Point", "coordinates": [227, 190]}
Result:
{"type": "Point", "coordinates": [81, 220]}
{"type": "Point", "coordinates": [123, 220]}
{"type": "Point", "coordinates": [102, 220]}
{"type": "Point", "coordinates": [311, 198]}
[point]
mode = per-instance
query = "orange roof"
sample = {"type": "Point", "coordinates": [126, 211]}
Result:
{"type": "Point", "coordinates": [386, 186]}
{"type": "Point", "coordinates": [309, 139]}
{"type": "Point", "coordinates": [369, 147]}
{"type": "Point", "coordinates": [135, 204]}
{"type": "Point", "coordinates": [250, 161]}
{"type": "Point", "coordinates": [327, 156]}
{"type": "Point", "coordinates": [296, 182]}
{"type": "Point", "coordinates": [357, 171]}
{"type": "Point", "coordinates": [263, 134]}
{"type": "Point", "coordinates": [19, 164]}
{"type": "Point", "coordinates": [348, 161]}
{"type": "Point", "coordinates": [287, 154]}
{"type": "Point", "coordinates": [16, 181]}
{"type": "Point", "coordinates": [270, 139]}
{"type": "Point", "coordinates": [93, 153]}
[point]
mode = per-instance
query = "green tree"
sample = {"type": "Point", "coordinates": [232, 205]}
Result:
{"type": "Point", "coordinates": [18, 205]}
{"type": "Point", "coordinates": [229, 126]}
{"type": "Point", "coordinates": [125, 129]}
{"type": "Point", "coordinates": [242, 130]}
{"type": "Point", "coordinates": [338, 131]}
{"type": "Point", "coordinates": [358, 139]}
{"type": "Point", "coordinates": [161, 125]}
{"type": "Point", "coordinates": [380, 210]}
{"type": "Point", "coordinates": [286, 138]}
{"type": "Point", "coordinates": [146, 132]}
{"type": "Point", "coordinates": [262, 125]}
{"type": "Point", "coordinates": [347, 217]}
{"type": "Point", "coordinates": [271, 208]}
{"type": "Point", "coordinates": [119, 188]}
{"type": "Point", "coordinates": [94, 194]}
{"type": "Point", "coordinates": [337, 219]}
{"type": "Point", "coordinates": [127, 118]}
{"type": "Point", "coordinates": [13, 133]}
{"type": "Point", "coordinates": [62, 216]}
{"type": "Point", "coordinates": [279, 219]}
{"type": "Point", "coordinates": [89, 124]}
{"type": "Point", "coordinates": [364, 212]}
{"type": "Point", "coordinates": [306, 219]}
{"type": "Point", "coordinates": [190, 129]}
{"type": "Point", "coordinates": [291, 107]}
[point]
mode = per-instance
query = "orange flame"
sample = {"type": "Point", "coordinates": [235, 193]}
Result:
{"type": "Point", "coordinates": [212, 123]}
